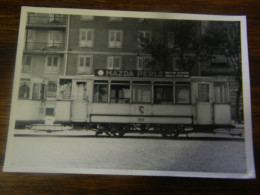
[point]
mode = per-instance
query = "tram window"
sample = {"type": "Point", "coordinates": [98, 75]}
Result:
{"type": "Point", "coordinates": [49, 111]}
{"type": "Point", "coordinates": [80, 91]}
{"type": "Point", "coordinates": [100, 93]}
{"type": "Point", "coordinates": [24, 90]}
{"type": "Point", "coordinates": [220, 92]}
{"type": "Point", "coordinates": [120, 93]}
{"type": "Point", "coordinates": [36, 91]}
{"type": "Point", "coordinates": [163, 94]}
{"type": "Point", "coordinates": [65, 89]}
{"type": "Point", "coordinates": [142, 93]}
{"type": "Point", "coordinates": [182, 94]}
{"type": "Point", "coordinates": [203, 92]}
{"type": "Point", "coordinates": [51, 89]}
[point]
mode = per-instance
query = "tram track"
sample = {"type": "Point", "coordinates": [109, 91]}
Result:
{"type": "Point", "coordinates": [181, 138]}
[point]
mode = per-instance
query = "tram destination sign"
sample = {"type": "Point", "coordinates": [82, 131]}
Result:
{"type": "Point", "coordinates": [141, 73]}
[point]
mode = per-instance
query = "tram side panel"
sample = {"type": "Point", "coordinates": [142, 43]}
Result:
{"type": "Point", "coordinates": [141, 113]}
{"type": "Point", "coordinates": [29, 110]}
{"type": "Point", "coordinates": [222, 114]}
{"type": "Point", "coordinates": [172, 114]}
{"type": "Point", "coordinates": [109, 113]}
{"type": "Point", "coordinates": [79, 111]}
{"type": "Point", "coordinates": [63, 110]}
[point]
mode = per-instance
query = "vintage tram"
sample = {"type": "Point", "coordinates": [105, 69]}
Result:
{"type": "Point", "coordinates": [117, 102]}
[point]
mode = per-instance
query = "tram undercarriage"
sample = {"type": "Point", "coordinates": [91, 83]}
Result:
{"type": "Point", "coordinates": [166, 130]}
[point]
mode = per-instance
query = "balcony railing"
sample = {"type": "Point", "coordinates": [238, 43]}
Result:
{"type": "Point", "coordinates": [43, 46]}
{"type": "Point", "coordinates": [53, 19]}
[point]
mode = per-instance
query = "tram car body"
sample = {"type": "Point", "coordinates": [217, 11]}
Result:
{"type": "Point", "coordinates": [118, 105]}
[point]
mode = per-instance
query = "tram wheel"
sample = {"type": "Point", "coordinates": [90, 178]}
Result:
{"type": "Point", "coordinates": [170, 132]}
{"type": "Point", "coordinates": [118, 130]}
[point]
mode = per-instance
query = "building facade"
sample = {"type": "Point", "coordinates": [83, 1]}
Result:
{"type": "Point", "coordinates": [59, 48]}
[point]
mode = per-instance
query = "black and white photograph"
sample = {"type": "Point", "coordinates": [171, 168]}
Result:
{"type": "Point", "coordinates": [131, 93]}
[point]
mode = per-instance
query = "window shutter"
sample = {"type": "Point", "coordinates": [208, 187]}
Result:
{"type": "Point", "coordinates": [117, 63]}
{"type": "Point", "coordinates": [81, 61]}
{"type": "Point", "coordinates": [55, 61]}
{"type": "Point", "coordinates": [87, 61]}
{"type": "Point", "coordinates": [49, 61]}
{"type": "Point", "coordinates": [83, 35]}
{"type": "Point", "coordinates": [110, 63]}
{"type": "Point", "coordinates": [89, 35]}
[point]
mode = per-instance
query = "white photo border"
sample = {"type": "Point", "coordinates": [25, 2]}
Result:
{"type": "Point", "coordinates": [135, 14]}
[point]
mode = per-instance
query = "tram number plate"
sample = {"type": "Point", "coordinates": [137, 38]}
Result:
{"type": "Point", "coordinates": [140, 119]}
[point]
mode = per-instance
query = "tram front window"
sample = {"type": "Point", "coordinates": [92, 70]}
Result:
{"type": "Point", "coordinates": [220, 92]}
{"type": "Point", "coordinates": [182, 93]}
{"type": "Point", "coordinates": [100, 93]}
{"type": "Point", "coordinates": [80, 90]}
{"type": "Point", "coordinates": [203, 92]}
{"type": "Point", "coordinates": [65, 89]}
{"type": "Point", "coordinates": [120, 94]}
{"type": "Point", "coordinates": [142, 94]}
{"type": "Point", "coordinates": [163, 94]}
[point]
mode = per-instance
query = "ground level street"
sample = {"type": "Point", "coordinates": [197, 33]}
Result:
{"type": "Point", "coordinates": [129, 153]}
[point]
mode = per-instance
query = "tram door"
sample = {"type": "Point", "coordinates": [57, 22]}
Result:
{"type": "Point", "coordinates": [79, 101]}
{"type": "Point", "coordinates": [63, 105]}
{"type": "Point", "coordinates": [204, 109]}
{"type": "Point", "coordinates": [222, 108]}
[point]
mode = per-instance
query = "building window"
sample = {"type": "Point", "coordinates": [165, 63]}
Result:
{"type": "Point", "coordinates": [85, 63]}
{"type": "Point", "coordinates": [142, 93]}
{"type": "Point", "coordinates": [120, 92]}
{"type": "Point", "coordinates": [203, 92]}
{"type": "Point", "coordinates": [86, 18]}
{"type": "Point", "coordinates": [55, 39]}
{"type": "Point", "coordinates": [220, 92]}
{"type": "Point", "coordinates": [170, 39]}
{"type": "Point", "coordinates": [32, 18]}
{"type": "Point", "coordinates": [55, 18]}
{"type": "Point", "coordinates": [30, 39]}
{"type": "Point", "coordinates": [100, 91]}
{"type": "Point", "coordinates": [30, 35]}
{"type": "Point", "coordinates": [49, 111]}
{"type": "Point", "coordinates": [65, 87]}
{"type": "Point", "coordinates": [114, 62]}
{"type": "Point", "coordinates": [141, 20]}
{"type": "Point", "coordinates": [24, 90]}
{"type": "Point", "coordinates": [86, 37]}
{"type": "Point", "coordinates": [176, 64]}
{"type": "Point", "coordinates": [163, 93]}
{"type": "Point", "coordinates": [182, 93]}
{"type": "Point", "coordinates": [115, 19]}
{"type": "Point", "coordinates": [51, 89]}
{"type": "Point", "coordinates": [115, 38]}
{"type": "Point", "coordinates": [52, 64]}
{"type": "Point", "coordinates": [219, 60]}
{"type": "Point", "coordinates": [143, 38]}
{"type": "Point", "coordinates": [143, 63]}
{"type": "Point", "coordinates": [27, 63]}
